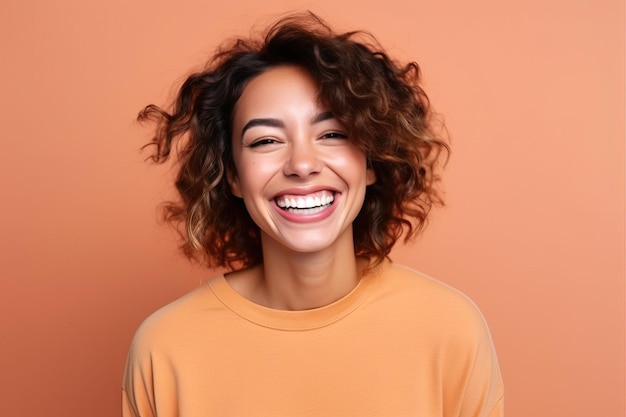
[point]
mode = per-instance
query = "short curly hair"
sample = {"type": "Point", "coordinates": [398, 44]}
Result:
{"type": "Point", "coordinates": [379, 101]}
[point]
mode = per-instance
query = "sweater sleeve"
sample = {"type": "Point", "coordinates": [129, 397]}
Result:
{"type": "Point", "coordinates": [483, 394]}
{"type": "Point", "coordinates": [477, 380]}
{"type": "Point", "coordinates": [498, 409]}
{"type": "Point", "coordinates": [137, 385]}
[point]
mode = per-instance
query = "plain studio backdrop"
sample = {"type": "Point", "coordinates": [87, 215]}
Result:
{"type": "Point", "coordinates": [531, 91]}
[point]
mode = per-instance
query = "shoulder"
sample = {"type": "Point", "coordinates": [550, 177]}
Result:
{"type": "Point", "coordinates": [431, 304]}
{"type": "Point", "coordinates": [177, 320]}
{"type": "Point", "coordinates": [424, 288]}
{"type": "Point", "coordinates": [449, 329]}
{"type": "Point", "coordinates": [446, 322]}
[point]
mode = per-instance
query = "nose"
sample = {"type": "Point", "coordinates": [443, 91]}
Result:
{"type": "Point", "coordinates": [302, 160]}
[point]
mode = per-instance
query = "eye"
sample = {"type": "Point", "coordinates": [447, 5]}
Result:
{"type": "Point", "coordinates": [261, 142]}
{"type": "Point", "coordinates": [334, 135]}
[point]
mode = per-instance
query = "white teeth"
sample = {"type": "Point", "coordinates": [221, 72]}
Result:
{"type": "Point", "coordinates": [307, 202]}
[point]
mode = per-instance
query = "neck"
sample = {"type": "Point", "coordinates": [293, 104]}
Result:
{"type": "Point", "coordinates": [301, 281]}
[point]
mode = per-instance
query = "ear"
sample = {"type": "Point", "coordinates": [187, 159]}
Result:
{"type": "Point", "coordinates": [233, 182]}
{"type": "Point", "coordinates": [370, 176]}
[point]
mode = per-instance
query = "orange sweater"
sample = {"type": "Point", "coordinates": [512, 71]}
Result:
{"type": "Point", "coordinates": [400, 344]}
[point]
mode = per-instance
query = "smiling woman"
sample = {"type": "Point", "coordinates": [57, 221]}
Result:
{"type": "Point", "coordinates": [306, 156]}
{"type": "Point", "coordinates": [292, 155]}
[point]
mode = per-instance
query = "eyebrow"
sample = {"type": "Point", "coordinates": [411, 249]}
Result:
{"type": "Point", "coordinates": [279, 123]}
{"type": "Point", "coordinates": [262, 122]}
{"type": "Point", "coordinates": [322, 116]}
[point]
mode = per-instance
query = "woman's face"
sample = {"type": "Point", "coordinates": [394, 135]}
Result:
{"type": "Point", "coordinates": [301, 179]}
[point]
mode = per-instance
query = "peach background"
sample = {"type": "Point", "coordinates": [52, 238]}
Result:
{"type": "Point", "coordinates": [532, 92]}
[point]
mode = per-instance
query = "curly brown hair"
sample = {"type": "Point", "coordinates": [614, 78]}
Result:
{"type": "Point", "coordinates": [379, 101]}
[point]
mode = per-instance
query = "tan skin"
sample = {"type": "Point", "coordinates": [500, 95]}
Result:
{"type": "Point", "coordinates": [303, 183]}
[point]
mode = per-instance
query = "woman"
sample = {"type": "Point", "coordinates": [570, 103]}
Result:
{"type": "Point", "coordinates": [304, 156]}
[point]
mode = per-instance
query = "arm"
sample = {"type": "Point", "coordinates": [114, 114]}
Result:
{"type": "Point", "coordinates": [475, 378]}
{"type": "Point", "coordinates": [137, 386]}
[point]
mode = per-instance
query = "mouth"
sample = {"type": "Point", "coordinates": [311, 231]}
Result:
{"type": "Point", "coordinates": [306, 204]}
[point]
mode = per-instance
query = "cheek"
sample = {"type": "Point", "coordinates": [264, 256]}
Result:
{"type": "Point", "coordinates": [351, 162]}
{"type": "Point", "coordinates": [253, 174]}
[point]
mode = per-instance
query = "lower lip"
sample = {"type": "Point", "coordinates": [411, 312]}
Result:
{"type": "Point", "coordinates": [304, 217]}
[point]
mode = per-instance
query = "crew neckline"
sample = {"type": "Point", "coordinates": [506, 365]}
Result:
{"type": "Point", "coordinates": [299, 320]}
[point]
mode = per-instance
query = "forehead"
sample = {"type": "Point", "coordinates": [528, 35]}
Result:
{"type": "Point", "coordinates": [282, 89]}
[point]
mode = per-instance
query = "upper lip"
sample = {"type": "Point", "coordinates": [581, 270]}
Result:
{"type": "Point", "coordinates": [305, 190]}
